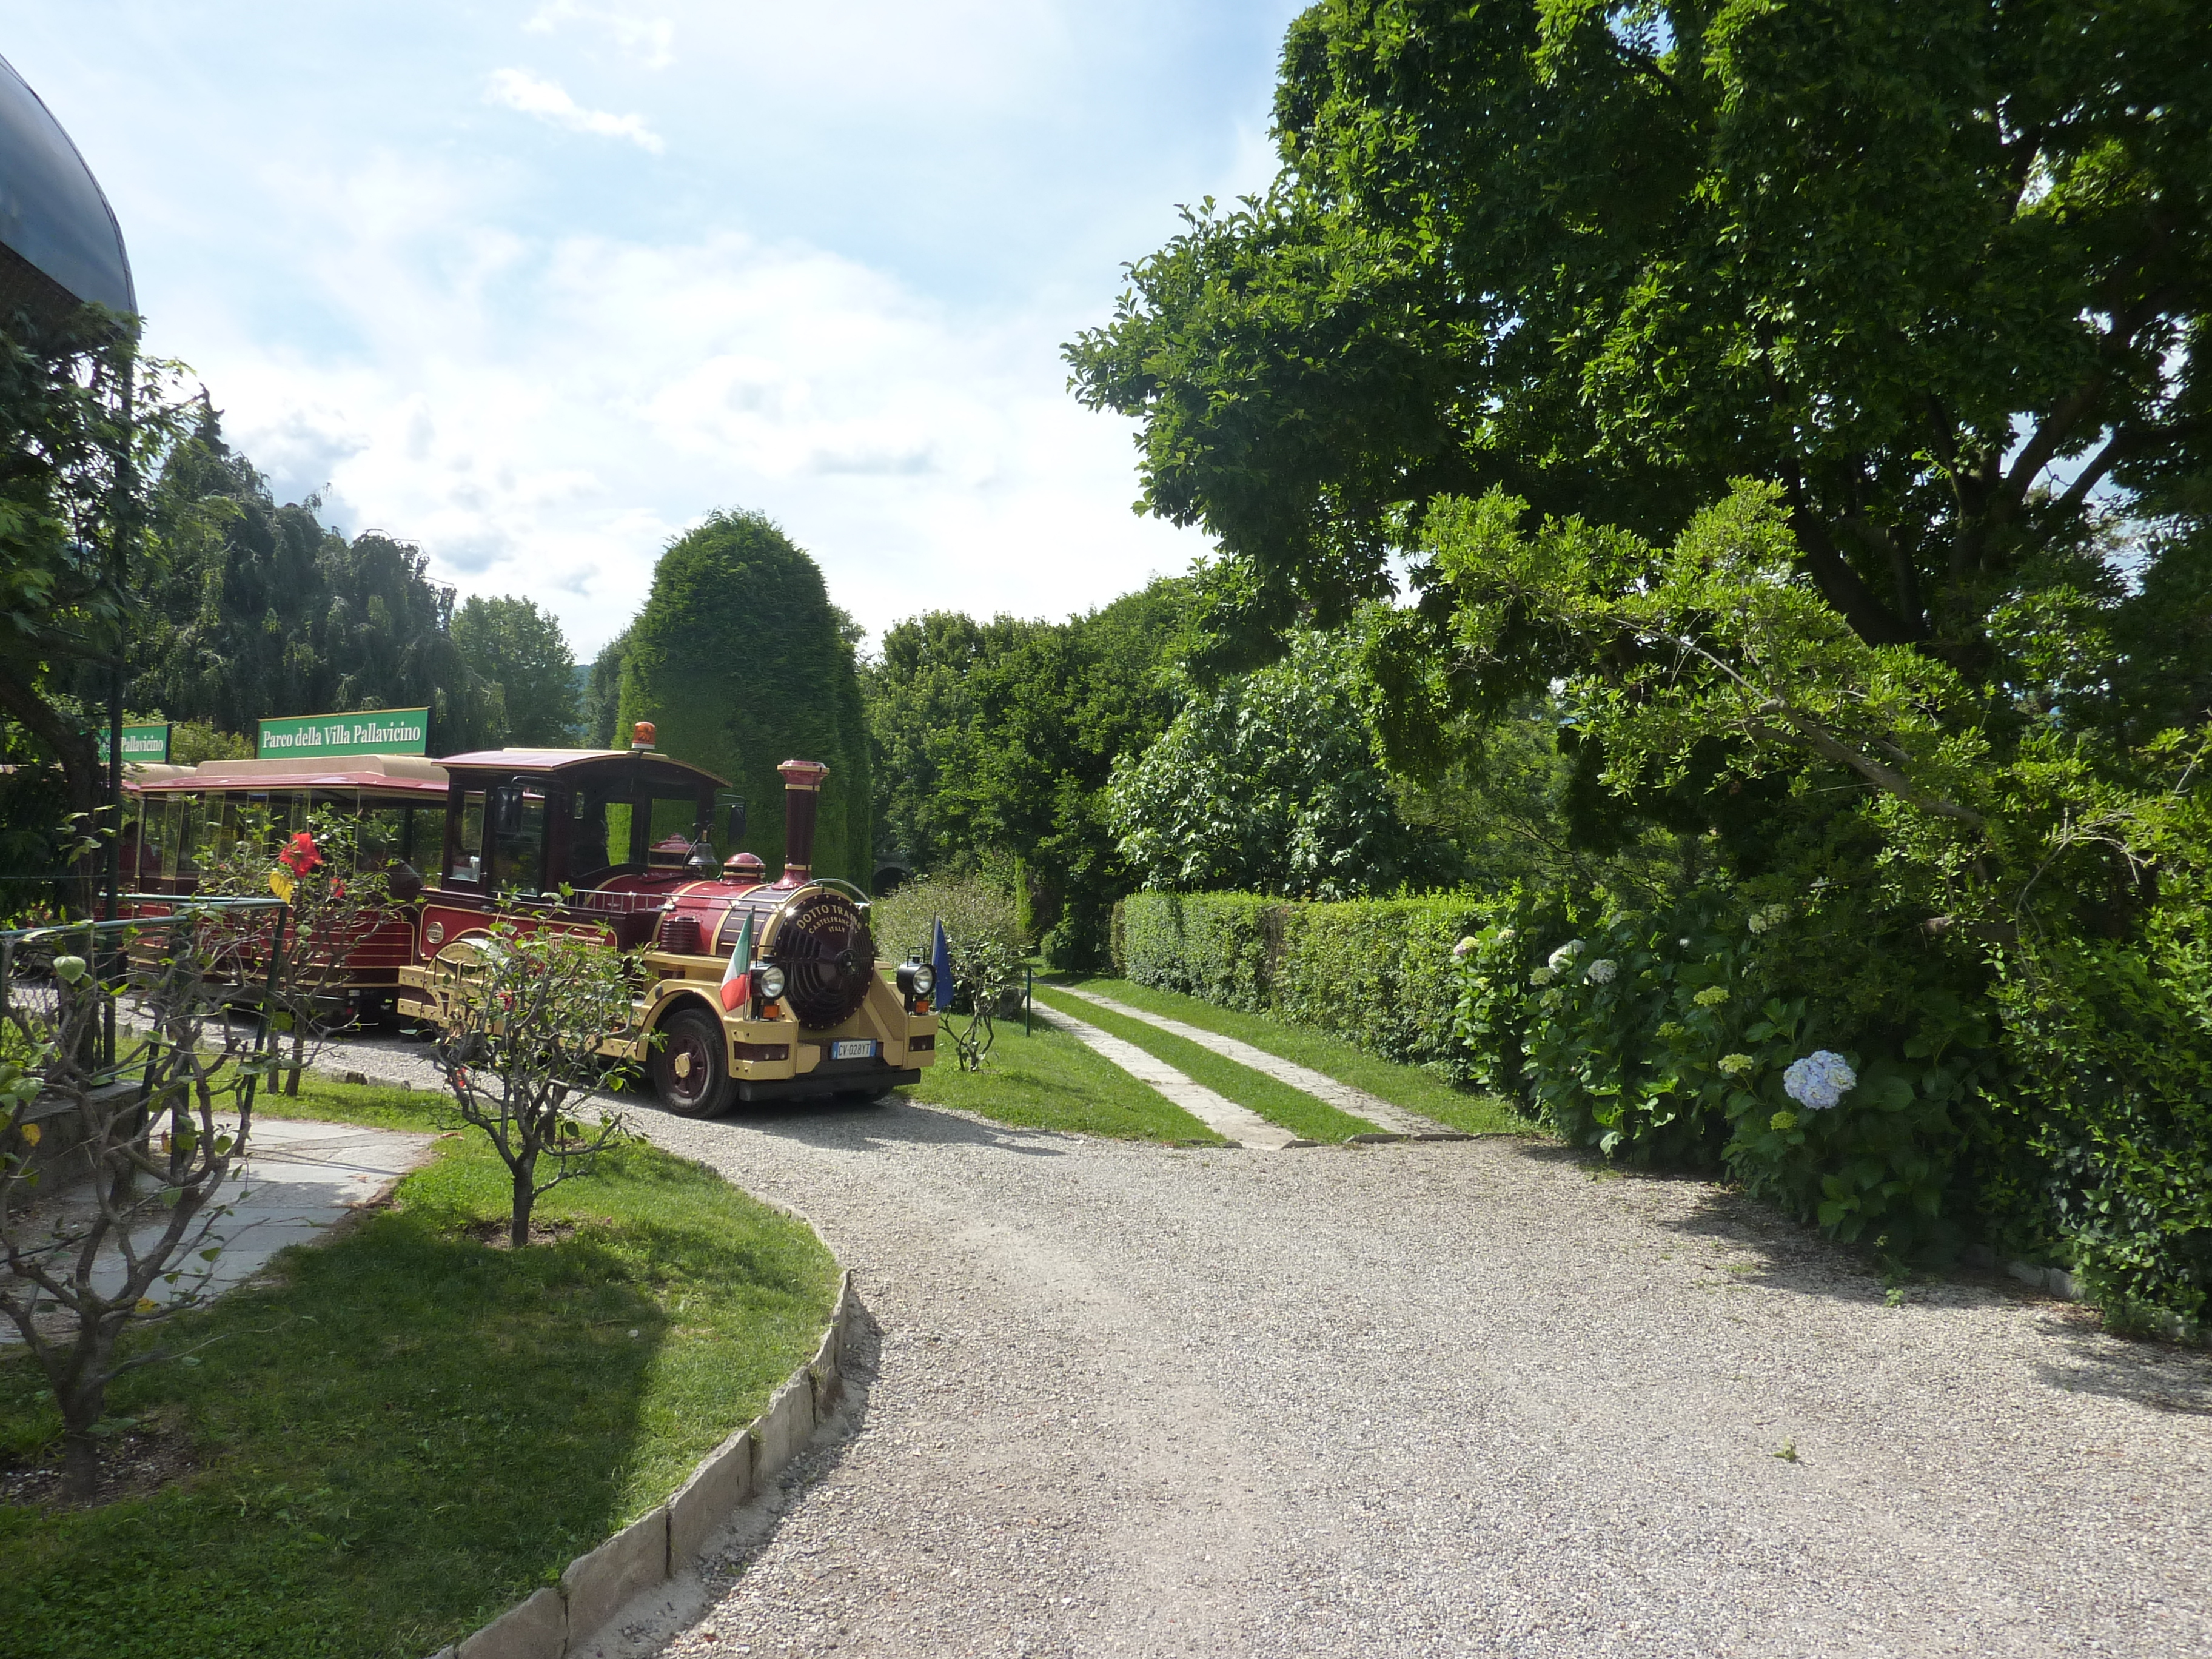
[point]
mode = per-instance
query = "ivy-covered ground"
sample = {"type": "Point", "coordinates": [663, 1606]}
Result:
{"type": "Point", "coordinates": [411, 1428]}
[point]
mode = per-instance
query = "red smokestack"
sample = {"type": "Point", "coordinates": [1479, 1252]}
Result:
{"type": "Point", "coordinates": [802, 788]}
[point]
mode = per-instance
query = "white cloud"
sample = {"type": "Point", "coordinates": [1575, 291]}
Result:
{"type": "Point", "coordinates": [520, 90]}
{"type": "Point", "coordinates": [651, 40]}
{"type": "Point", "coordinates": [543, 415]}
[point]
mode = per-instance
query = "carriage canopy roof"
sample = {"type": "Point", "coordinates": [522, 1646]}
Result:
{"type": "Point", "coordinates": [617, 763]}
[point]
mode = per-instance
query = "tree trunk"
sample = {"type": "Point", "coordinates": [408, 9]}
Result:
{"type": "Point", "coordinates": [526, 1195]}
{"type": "Point", "coordinates": [81, 1409]}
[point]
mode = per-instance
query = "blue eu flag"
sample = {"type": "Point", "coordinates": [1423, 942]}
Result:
{"type": "Point", "coordinates": [941, 959]}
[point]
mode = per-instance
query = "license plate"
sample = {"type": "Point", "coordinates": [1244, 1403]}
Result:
{"type": "Point", "coordinates": [852, 1049]}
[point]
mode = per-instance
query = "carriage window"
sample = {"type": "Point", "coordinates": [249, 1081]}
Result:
{"type": "Point", "coordinates": [381, 837]}
{"type": "Point", "coordinates": [465, 870]}
{"type": "Point", "coordinates": [517, 840]}
{"type": "Point", "coordinates": [223, 827]}
{"type": "Point", "coordinates": [162, 838]}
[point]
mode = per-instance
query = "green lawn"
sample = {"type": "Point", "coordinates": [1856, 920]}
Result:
{"type": "Point", "coordinates": [1408, 1086]}
{"type": "Point", "coordinates": [1302, 1114]}
{"type": "Point", "coordinates": [1050, 1081]}
{"type": "Point", "coordinates": [410, 1430]}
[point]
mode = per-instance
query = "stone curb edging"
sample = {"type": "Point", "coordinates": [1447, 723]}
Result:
{"type": "Point", "coordinates": [555, 1622]}
{"type": "Point", "coordinates": [2067, 1287]}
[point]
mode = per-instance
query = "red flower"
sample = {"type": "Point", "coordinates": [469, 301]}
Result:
{"type": "Point", "coordinates": [300, 855]}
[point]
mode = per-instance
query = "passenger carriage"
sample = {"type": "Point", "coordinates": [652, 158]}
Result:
{"type": "Point", "coordinates": [177, 820]}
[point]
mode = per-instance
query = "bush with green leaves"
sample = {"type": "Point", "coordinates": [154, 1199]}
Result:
{"type": "Point", "coordinates": [2067, 1117]}
{"type": "Point", "coordinates": [982, 929]}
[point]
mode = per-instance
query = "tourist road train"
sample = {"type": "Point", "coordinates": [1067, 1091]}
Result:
{"type": "Point", "coordinates": [612, 844]}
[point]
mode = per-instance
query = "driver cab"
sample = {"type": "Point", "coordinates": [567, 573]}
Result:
{"type": "Point", "coordinates": [523, 824]}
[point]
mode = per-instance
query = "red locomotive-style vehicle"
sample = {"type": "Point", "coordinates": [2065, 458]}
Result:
{"type": "Point", "coordinates": [617, 844]}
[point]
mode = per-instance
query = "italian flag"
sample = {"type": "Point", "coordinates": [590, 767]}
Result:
{"type": "Point", "coordinates": [737, 982]}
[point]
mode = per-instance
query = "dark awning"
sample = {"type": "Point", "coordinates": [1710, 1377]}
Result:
{"type": "Point", "coordinates": [53, 217]}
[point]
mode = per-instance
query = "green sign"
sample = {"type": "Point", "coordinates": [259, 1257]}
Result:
{"type": "Point", "coordinates": [368, 732]}
{"type": "Point", "coordinates": [142, 744]}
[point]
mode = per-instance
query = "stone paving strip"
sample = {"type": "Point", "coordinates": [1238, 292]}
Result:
{"type": "Point", "coordinates": [298, 1178]}
{"type": "Point", "coordinates": [1217, 1112]}
{"type": "Point", "coordinates": [1343, 1096]}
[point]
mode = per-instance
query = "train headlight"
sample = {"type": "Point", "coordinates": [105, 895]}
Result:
{"type": "Point", "coordinates": [771, 983]}
{"type": "Point", "coordinates": [916, 979]}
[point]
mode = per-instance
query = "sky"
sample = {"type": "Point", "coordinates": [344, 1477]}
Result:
{"type": "Point", "coordinates": [538, 285]}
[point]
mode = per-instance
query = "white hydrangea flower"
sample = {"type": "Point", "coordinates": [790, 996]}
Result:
{"type": "Point", "coordinates": [1819, 1081]}
{"type": "Point", "coordinates": [1566, 954]}
{"type": "Point", "coordinates": [1736, 1064]}
{"type": "Point", "coordinates": [1542, 976]}
{"type": "Point", "coordinates": [1603, 970]}
{"type": "Point", "coordinates": [1771, 915]}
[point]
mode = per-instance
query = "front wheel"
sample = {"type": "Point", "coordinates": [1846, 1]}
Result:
{"type": "Point", "coordinates": [691, 1066]}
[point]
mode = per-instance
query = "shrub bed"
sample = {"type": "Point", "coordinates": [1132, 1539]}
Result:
{"type": "Point", "coordinates": [2057, 1111]}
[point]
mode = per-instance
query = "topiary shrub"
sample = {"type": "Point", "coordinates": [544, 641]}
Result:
{"type": "Point", "coordinates": [738, 661]}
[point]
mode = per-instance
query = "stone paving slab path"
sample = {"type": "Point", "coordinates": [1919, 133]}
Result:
{"type": "Point", "coordinates": [299, 1177]}
{"type": "Point", "coordinates": [1435, 1400]}
{"type": "Point", "coordinates": [1342, 1095]}
{"type": "Point", "coordinates": [1216, 1111]}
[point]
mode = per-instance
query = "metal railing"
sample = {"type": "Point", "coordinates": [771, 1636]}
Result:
{"type": "Point", "coordinates": [104, 948]}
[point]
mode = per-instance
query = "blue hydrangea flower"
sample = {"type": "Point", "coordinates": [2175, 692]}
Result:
{"type": "Point", "coordinates": [1819, 1080]}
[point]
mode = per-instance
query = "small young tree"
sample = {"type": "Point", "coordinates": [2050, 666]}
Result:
{"type": "Point", "coordinates": [334, 904]}
{"type": "Point", "coordinates": [521, 1052]}
{"type": "Point", "coordinates": [78, 1267]}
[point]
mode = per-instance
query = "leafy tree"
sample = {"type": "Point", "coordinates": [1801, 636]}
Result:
{"type": "Point", "coordinates": [84, 423]}
{"type": "Point", "coordinates": [1025, 740]}
{"type": "Point", "coordinates": [919, 699]}
{"type": "Point", "coordinates": [1269, 784]}
{"type": "Point", "coordinates": [194, 741]}
{"type": "Point", "coordinates": [510, 643]}
{"type": "Point", "coordinates": [738, 661]}
{"type": "Point", "coordinates": [1938, 275]}
{"type": "Point", "coordinates": [268, 611]}
{"type": "Point", "coordinates": [602, 698]}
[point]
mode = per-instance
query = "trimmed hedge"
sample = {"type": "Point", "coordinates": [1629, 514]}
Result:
{"type": "Point", "coordinates": [1378, 972]}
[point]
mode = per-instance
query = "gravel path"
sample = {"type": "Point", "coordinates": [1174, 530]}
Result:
{"type": "Point", "coordinates": [1432, 1398]}
{"type": "Point", "coordinates": [1437, 1398]}
{"type": "Point", "coordinates": [1357, 1102]}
